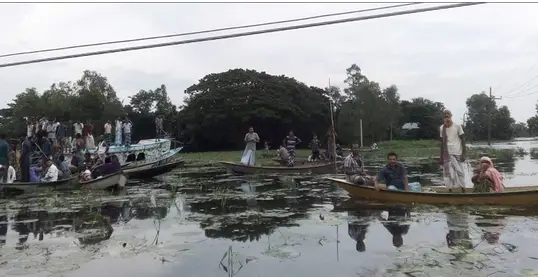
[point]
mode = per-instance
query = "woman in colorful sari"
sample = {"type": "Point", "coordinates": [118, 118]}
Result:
{"type": "Point", "coordinates": [487, 178]}
{"type": "Point", "coordinates": [249, 155]}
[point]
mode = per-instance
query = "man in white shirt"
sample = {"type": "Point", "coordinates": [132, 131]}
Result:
{"type": "Point", "coordinates": [78, 126]}
{"type": "Point", "coordinates": [108, 133]}
{"type": "Point", "coordinates": [51, 174]}
{"type": "Point", "coordinates": [11, 174]}
{"type": "Point", "coordinates": [456, 170]}
{"type": "Point", "coordinates": [51, 131]}
{"type": "Point", "coordinates": [30, 128]}
{"type": "Point", "coordinates": [127, 127]}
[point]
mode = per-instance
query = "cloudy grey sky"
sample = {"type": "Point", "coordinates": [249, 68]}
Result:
{"type": "Point", "coordinates": [442, 55]}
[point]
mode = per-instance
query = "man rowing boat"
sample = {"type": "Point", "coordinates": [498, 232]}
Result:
{"type": "Point", "coordinates": [456, 170]}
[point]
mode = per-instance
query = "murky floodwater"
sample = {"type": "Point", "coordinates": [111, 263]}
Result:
{"type": "Point", "coordinates": [204, 222]}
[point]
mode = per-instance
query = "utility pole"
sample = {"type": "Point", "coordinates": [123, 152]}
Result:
{"type": "Point", "coordinates": [492, 100]}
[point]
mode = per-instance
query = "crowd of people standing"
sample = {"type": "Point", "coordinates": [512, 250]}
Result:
{"type": "Point", "coordinates": [53, 140]}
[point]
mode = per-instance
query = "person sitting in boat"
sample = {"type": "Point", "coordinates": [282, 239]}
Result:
{"type": "Point", "coordinates": [88, 161]}
{"type": "Point", "coordinates": [11, 174]}
{"type": "Point", "coordinates": [102, 149]}
{"type": "Point", "coordinates": [354, 167]}
{"type": "Point", "coordinates": [63, 167]}
{"type": "Point", "coordinates": [339, 151]}
{"type": "Point", "coordinates": [75, 162]}
{"type": "Point", "coordinates": [282, 153]}
{"type": "Point", "coordinates": [50, 171]}
{"type": "Point", "coordinates": [34, 174]}
{"type": "Point", "coordinates": [487, 178]}
{"type": "Point", "coordinates": [112, 165]}
{"type": "Point", "coordinates": [394, 174]}
{"type": "Point", "coordinates": [85, 174]}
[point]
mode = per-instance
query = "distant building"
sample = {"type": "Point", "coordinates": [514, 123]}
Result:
{"type": "Point", "coordinates": [410, 130]}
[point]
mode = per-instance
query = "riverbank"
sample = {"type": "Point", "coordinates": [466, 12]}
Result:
{"type": "Point", "coordinates": [407, 150]}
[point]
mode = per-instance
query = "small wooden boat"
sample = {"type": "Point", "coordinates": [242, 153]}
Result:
{"type": "Point", "coordinates": [152, 170]}
{"type": "Point", "coordinates": [514, 198]}
{"type": "Point", "coordinates": [114, 180]}
{"type": "Point", "coordinates": [310, 168]}
{"type": "Point", "coordinates": [31, 186]}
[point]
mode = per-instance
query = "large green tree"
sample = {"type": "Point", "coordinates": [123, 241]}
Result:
{"type": "Point", "coordinates": [220, 108]}
{"type": "Point", "coordinates": [378, 109]}
{"type": "Point", "coordinates": [482, 109]}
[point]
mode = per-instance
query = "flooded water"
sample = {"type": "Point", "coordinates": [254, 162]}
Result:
{"type": "Point", "coordinates": [204, 222]}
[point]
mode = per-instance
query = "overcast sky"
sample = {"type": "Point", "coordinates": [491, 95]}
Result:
{"type": "Point", "coordinates": [444, 55]}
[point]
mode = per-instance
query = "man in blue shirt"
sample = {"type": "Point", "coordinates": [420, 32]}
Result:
{"type": "Point", "coordinates": [394, 174]}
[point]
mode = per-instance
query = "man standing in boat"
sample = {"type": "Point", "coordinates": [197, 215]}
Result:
{"type": "Point", "coordinates": [291, 142]}
{"type": "Point", "coordinates": [354, 167]}
{"type": "Point", "coordinates": [456, 170]}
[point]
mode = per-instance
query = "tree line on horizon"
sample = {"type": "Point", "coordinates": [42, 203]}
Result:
{"type": "Point", "coordinates": [218, 110]}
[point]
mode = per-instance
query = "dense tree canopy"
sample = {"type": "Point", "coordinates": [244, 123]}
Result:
{"type": "Point", "coordinates": [480, 108]}
{"type": "Point", "coordinates": [218, 110]}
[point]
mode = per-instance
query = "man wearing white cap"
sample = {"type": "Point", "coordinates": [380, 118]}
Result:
{"type": "Point", "coordinates": [456, 170]}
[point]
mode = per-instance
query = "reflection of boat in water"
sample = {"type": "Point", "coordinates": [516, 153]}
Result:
{"type": "Point", "coordinates": [515, 198]}
{"type": "Point", "coordinates": [89, 226]}
{"type": "Point", "coordinates": [458, 230]}
{"type": "Point", "coordinates": [308, 168]}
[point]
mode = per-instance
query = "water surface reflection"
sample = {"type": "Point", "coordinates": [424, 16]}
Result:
{"type": "Point", "coordinates": [212, 224]}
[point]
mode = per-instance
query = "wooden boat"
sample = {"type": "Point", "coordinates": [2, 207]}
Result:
{"type": "Point", "coordinates": [297, 161]}
{"type": "Point", "coordinates": [152, 170]}
{"type": "Point", "coordinates": [114, 180]}
{"type": "Point", "coordinates": [443, 189]}
{"type": "Point", "coordinates": [313, 168]}
{"type": "Point", "coordinates": [31, 186]}
{"type": "Point", "coordinates": [514, 198]}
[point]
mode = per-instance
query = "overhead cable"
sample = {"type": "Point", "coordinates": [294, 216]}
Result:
{"type": "Point", "coordinates": [220, 37]}
{"type": "Point", "coordinates": [205, 31]}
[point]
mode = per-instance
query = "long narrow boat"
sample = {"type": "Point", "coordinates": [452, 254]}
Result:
{"type": "Point", "coordinates": [31, 186]}
{"type": "Point", "coordinates": [245, 169]}
{"type": "Point", "coordinates": [515, 198]}
{"type": "Point", "coordinates": [152, 170]}
{"type": "Point", "coordinates": [114, 180]}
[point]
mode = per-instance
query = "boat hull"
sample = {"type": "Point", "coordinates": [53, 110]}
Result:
{"type": "Point", "coordinates": [114, 180]}
{"type": "Point", "coordinates": [27, 187]}
{"type": "Point", "coordinates": [511, 198]}
{"type": "Point", "coordinates": [152, 170]}
{"type": "Point", "coordinates": [245, 169]}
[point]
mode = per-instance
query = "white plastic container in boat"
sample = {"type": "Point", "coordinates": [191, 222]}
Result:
{"type": "Point", "coordinates": [415, 187]}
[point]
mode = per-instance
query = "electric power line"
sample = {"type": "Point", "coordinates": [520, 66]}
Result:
{"type": "Point", "coordinates": [520, 94]}
{"type": "Point", "coordinates": [205, 31]}
{"type": "Point", "coordinates": [521, 86]}
{"type": "Point", "coordinates": [280, 29]}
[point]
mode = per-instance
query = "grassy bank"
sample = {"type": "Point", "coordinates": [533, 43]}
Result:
{"type": "Point", "coordinates": [423, 150]}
